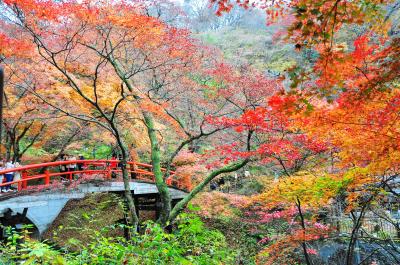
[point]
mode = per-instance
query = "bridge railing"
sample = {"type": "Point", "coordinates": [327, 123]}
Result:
{"type": "Point", "coordinates": [106, 169]}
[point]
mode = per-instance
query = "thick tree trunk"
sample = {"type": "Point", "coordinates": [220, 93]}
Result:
{"type": "Point", "coordinates": [133, 217]}
{"type": "Point", "coordinates": [182, 204]}
{"type": "Point", "coordinates": [158, 175]}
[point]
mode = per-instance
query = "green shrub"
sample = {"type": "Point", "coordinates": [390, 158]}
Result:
{"type": "Point", "coordinates": [190, 243]}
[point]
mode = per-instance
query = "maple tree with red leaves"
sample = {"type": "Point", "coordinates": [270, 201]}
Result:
{"type": "Point", "coordinates": [350, 93]}
{"type": "Point", "coordinates": [332, 136]}
{"type": "Point", "coordinates": [263, 118]}
{"type": "Point", "coordinates": [108, 78]}
{"type": "Point", "coordinates": [115, 81]}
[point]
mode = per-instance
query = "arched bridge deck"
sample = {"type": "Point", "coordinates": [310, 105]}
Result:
{"type": "Point", "coordinates": [43, 191]}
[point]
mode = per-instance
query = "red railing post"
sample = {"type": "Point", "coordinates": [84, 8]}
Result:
{"type": "Point", "coordinates": [19, 188]}
{"type": "Point", "coordinates": [24, 175]}
{"type": "Point", "coordinates": [133, 170]}
{"type": "Point", "coordinates": [168, 181]}
{"type": "Point", "coordinates": [47, 178]}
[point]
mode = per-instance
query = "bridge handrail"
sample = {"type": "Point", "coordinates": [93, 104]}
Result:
{"type": "Point", "coordinates": [71, 162]}
{"type": "Point", "coordinates": [110, 166]}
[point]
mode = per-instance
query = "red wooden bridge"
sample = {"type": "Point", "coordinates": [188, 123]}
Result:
{"type": "Point", "coordinates": [46, 174]}
{"type": "Point", "coordinates": [43, 190]}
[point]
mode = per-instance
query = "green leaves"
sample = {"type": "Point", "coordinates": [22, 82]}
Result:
{"type": "Point", "coordinates": [191, 243]}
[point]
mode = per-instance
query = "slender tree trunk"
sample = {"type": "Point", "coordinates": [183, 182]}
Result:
{"type": "Point", "coordinates": [1, 106]}
{"type": "Point", "coordinates": [16, 154]}
{"type": "Point", "coordinates": [182, 204]}
{"type": "Point", "coordinates": [354, 235]}
{"type": "Point", "coordinates": [9, 146]}
{"type": "Point", "coordinates": [158, 175]}
{"type": "Point", "coordinates": [303, 225]}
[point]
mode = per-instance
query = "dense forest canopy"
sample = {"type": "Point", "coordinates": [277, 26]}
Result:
{"type": "Point", "coordinates": [280, 119]}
